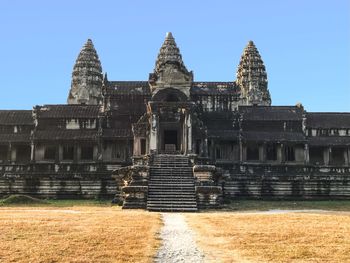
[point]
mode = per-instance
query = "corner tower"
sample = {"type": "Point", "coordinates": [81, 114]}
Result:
{"type": "Point", "coordinates": [86, 77]}
{"type": "Point", "coordinates": [170, 71]}
{"type": "Point", "coordinates": [252, 77]}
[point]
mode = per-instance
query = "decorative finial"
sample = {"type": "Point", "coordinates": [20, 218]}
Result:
{"type": "Point", "coordinates": [169, 35]}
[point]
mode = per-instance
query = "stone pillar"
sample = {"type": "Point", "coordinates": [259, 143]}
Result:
{"type": "Point", "coordinates": [57, 155]}
{"type": "Point", "coordinates": [212, 149]}
{"type": "Point", "coordinates": [184, 140]}
{"type": "Point", "coordinates": [240, 151]}
{"type": "Point", "coordinates": [13, 154]}
{"type": "Point", "coordinates": [306, 154]}
{"type": "Point", "coordinates": [95, 153]}
{"type": "Point", "coordinates": [60, 152]}
{"type": "Point", "coordinates": [280, 153]}
{"type": "Point", "coordinates": [205, 147]}
{"type": "Point", "coordinates": [32, 152]}
{"type": "Point", "coordinates": [153, 140]}
{"type": "Point", "coordinates": [9, 152]}
{"type": "Point", "coordinates": [346, 157]}
{"type": "Point", "coordinates": [244, 153]}
{"type": "Point", "coordinates": [78, 152]}
{"type": "Point", "coordinates": [189, 134]}
{"type": "Point", "coordinates": [326, 155]}
{"type": "Point", "coordinates": [262, 150]}
{"type": "Point", "coordinates": [137, 146]}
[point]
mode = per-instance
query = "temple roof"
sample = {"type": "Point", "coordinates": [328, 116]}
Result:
{"type": "Point", "coordinates": [252, 77]}
{"type": "Point", "coordinates": [51, 135]}
{"type": "Point", "coordinates": [328, 120]}
{"type": "Point", "coordinates": [142, 88]}
{"type": "Point", "coordinates": [128, 88]}
{"type": "Point", "coordinates": [221, 124]}
{"type": "Point", "coordinates": [68, 111]}
{"type": "Point", "coordinates": [14, 137]}
{"type": "Point", "coordinates": [273, 136]}
{"type": "Point", "coordinates": [16, 117]}
{"type": "Point", "coordinates": [271, 113]}
{"type": "Point", "coordinates": [329, 141]}
{"type": "Point", "coordinates": [214, 88]}
{"type": "Point", "coordinates": [169, 53]}
{"type": "Point", "coordinates": [86, 77]}
{"type": "Point", "coordinates": [117, 133]}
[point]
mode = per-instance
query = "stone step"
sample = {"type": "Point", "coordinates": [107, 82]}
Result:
{"type": "Point", "coordinates": [171, 204]}
{"type": "Point", "coordinates": [171, 195]}
{"type": "Point", "coordinates": [171, 169]}
{"type": "Point", "coordinates": [171, 209]}
{"type": "Point", "coordinates": [175, 184]}
{"type": "Point", "coordinates": [171, 184]}
{"type": "Point", "coordinates": [180, 190]}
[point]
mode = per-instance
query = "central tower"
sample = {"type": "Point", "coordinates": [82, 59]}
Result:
{"type": "Point", "coordinates": [169, 109]}
{"type": "Point", "coordinates": [170, 71]}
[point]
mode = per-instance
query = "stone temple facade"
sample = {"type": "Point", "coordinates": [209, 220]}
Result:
{"type": "Point", "coordinates": [171, 143]}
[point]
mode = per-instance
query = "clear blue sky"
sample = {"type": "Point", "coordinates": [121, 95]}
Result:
{"type": "Point", "coordinates": [305, 45]}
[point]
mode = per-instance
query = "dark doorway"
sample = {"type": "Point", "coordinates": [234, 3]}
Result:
{"type": "Point", "coordinates": [170, 140]}
{"type": "Point", "coordinates": [23, 153]}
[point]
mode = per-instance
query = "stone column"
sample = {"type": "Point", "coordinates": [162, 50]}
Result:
{"type": "Point", "coordinates": [280, 153]}
{"type": "Point", "coordinates": [78, 152]}
{"type": "Point", "coordinates": [346, 157]}
{"type": "Point", "coordinates": [240, 151]}
{"type": "Point", "coordinates": [205, 147]}
{"type": "Point", "coordinates": [32, 152]}
{"type": "Point", "coordinates": [57, 155]}
{"type": "Point", "coordinates": [137, 146]}
{"type": "Point", "coordinates": [153, 140]}
{"type": "Point", "coordinates": [189, 134]}
{"type": "Point", "coordinates": [184, 141]}
{"type": "Point", "coordinates": [262, 150]}
{"type": "Point", "coordinates": [95, 153]}
{"type": "Point", "coordinates": [244, 153]}
{"type": "Point", "coordinates": [60, 152]}
{"type": "Point", "coordinates": [13, 154]}
{"type": "Point", "coordinates": [306, 154]}
{"type": "Point", "coordinates": [326, 155]}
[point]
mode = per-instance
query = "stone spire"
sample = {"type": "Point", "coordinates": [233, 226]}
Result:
{"type": "Point", "coordinates": [86, 77]}
{"type": "Point", "coordinates": [169, 65]}
{"type": "Point", "coordinates": [252, 77]}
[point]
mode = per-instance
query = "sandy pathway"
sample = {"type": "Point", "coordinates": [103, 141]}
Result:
{"type": "Point", "coordinates": [178, 242]}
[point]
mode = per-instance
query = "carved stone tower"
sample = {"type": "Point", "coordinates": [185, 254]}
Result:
{"type": "Point", "coordinates": [86, 77]}
{"type": "Point", "coordinates": [252, 77]}
{"type": "Point", "coordinates": [170, 71]}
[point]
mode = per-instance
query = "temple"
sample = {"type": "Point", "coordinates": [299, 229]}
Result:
{"type": "Point", "coordinates": [171, 143]}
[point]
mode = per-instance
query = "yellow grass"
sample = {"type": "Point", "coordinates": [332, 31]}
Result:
{"type": "Point", "coordinates": [294, 237]}
{"type": "Point", "coordinates": [78, 234]}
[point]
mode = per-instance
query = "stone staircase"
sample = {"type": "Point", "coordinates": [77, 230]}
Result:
{"type": "Point", "coordinates": [171, 185]}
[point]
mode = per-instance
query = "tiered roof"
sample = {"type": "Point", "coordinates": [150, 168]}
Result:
{"type": "Point", "coordinates": [252, 77]}
{"type": "Point", "coordinates": [86, 77]}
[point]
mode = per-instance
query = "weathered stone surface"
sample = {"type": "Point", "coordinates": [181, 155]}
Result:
{"type": "Point", "coordinates": [173, 139]}
{"type": "Point", "coordinates": [252, 77]}
{"type": "Point", "coordinates": [86, 77]}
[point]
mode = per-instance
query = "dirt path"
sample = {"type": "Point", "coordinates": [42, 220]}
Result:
{"type": "Point", "coordinates": [178, 242]}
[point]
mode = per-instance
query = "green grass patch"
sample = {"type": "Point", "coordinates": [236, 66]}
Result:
{"type": "Point", "coordinates": [22, 200]}
{"type": "Point", "coordinates": [25, 200]}
{"type": "Point", "coordinates": [261, 205]}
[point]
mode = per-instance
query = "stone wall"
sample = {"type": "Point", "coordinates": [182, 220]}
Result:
{"type": "Point", "coordinates": [285, 182]}
{"type": "Point", "coordinates": [50, 181]}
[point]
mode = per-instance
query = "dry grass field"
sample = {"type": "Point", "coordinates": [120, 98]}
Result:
{"type": "Point", "coordinates": [77, 234]}
{"type": "Point", "coordinates": [289, 237]}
